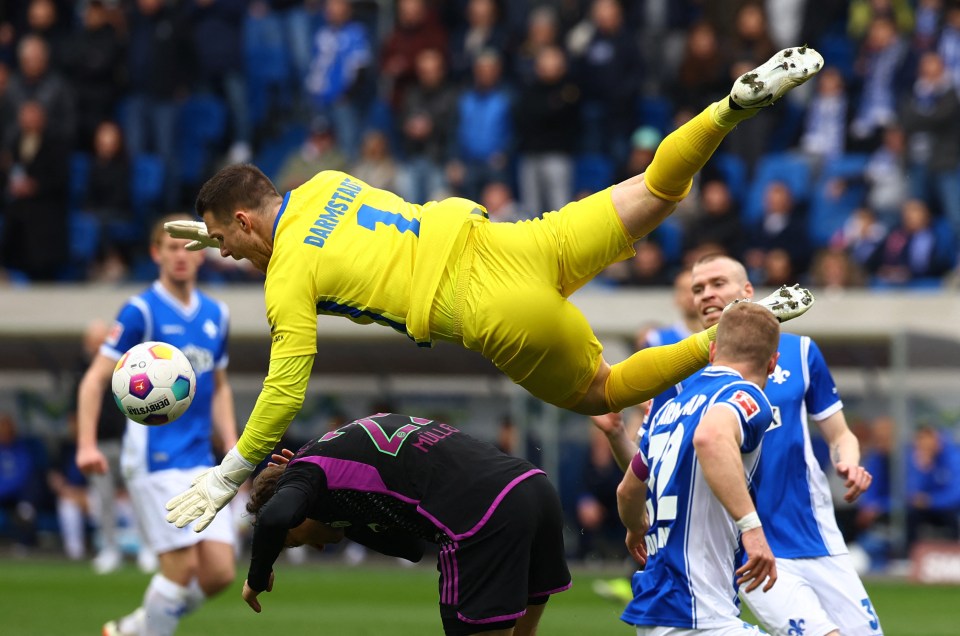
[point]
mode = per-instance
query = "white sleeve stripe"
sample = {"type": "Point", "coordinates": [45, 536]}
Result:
{"type": "Point", "coordinates": [827, 412]}
{"type": "Point", "coordinates": [140, 304]}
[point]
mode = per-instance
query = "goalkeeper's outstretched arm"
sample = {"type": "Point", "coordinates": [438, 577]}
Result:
{"type": "Point", "coordinates": [278, 403]}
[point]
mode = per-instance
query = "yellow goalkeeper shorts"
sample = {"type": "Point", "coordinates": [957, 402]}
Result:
{"type": "Point", "coordinates": [505, 295]}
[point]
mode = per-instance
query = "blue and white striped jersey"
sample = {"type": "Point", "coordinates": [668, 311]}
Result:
{"type": "Point", "coordinates": [795, 503]}
{"type": "Point", "coordinates": [200, 330]}
{"type": "Point", "coordinates": [692, 542]}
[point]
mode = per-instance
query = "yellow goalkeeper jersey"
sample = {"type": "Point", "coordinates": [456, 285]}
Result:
{"type": "Point", "coordinates": [344, 248]}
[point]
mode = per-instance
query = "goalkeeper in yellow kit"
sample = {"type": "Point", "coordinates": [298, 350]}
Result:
{"type": "Point", "coordinates": [441, 270]}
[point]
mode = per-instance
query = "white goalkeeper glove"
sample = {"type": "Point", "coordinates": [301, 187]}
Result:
{"type": "Point", "coordinates": [210, 492]}
{"type": "Point", "coordinates": [195, 231]}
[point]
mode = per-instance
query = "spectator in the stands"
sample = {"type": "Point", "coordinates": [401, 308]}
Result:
{"type": "Point", "coordinates": [485, 130]}
{"type": "Point", "coordinates": [19, 484]}
{"type": "Point", "coordinates": [751, 41]}
{"type": "Point", "coordinates": [648, 267]}
{"type": "Point", "coordinates": [933, 486]}
{"type": "Point", "coordinates": [861, 235]}
{"type": "Point", "coordinates": [879, 63]}
{"type": "Point", "coordinates": [426, 124]}
{"type": "Point", "coordinates": [338, 79]}
{"type": "Point", "coordinates": [702, 76]}
{"type": "Point", "coordinates": [914, 252]}
{"type": "Point", "coordinates": [37, 82]}
{"type": "Point", "coordinates": [35, 232]}
{"type": "Point", "coordinates": [600, 528]}
{"type": "Point", "coordinates": [542, 30]}
{"type": "Point", "coordinates": [497, 199]}
{"type": "Point", "coordinates": [318, 152]}
{"type": "Point", "coordinates": [717, 220]}
{"type": "Point", "coordinates": [783, 227]}
{"type": "Point", "coordinates": [643, 145]}
{"type": "Point", "coordinates": [51, 21]}
{"type": "Point", "coordinates": [609, 69]}
{"type": "Point", "coordinates": [825, 125]}
{"type": "Point", "coordinates": [160, 61]}
{"type": "Point", "coordinates": [217, 29]}
{"type": "Point", "coordinates": [948, 45]}
{"type": "Point", "coordinates": [886, 176]}
{"type": "Point", "coordinates": [930, 117]}
{"type": "Point", "coordinates": [834, 271]}
{"type": "Point", "coordinates": [108, 199]}
{"type": "Point", "coordinates": [376, 166]}
{"type": "Point", "coordinates": [94, 65]}
{"type": "Point", "coordinates": [482, 31]}
{"type": "Point", "coordinates": [416, 30]}
{"type": "Point", "coordinates": [547, 118]}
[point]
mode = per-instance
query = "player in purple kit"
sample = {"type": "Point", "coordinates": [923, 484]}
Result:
{"type": "Point", "coordinates": [394, 483]}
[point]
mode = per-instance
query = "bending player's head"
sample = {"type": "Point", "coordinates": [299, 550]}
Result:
{"type": "Point", "coordinates": [240, 187]}
{"type": "Point", "coordinates": [264, 487]}
{"type": "Point", "coordinates": [310, 532]}
{"type": "Point", "coordinates": [239, 206]}
{"type": "Point", "coordinates": [747, 337]}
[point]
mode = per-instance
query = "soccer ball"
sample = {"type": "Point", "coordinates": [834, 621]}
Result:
{"type": "Point", "coordinates": [153, 383]}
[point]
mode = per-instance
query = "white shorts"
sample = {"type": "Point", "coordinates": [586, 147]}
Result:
{"type": "Point", "coordinates": [737, 628]}
{"type": "Point", "coordinates": [150, 494]}
{"type": "Point", "coordinates": [814, 597]}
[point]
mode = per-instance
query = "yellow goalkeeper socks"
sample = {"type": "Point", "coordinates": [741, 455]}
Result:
{"type": "Point", "coordinates": [684, 152]}
{"type": "Point", "coordinates": [649, 372]}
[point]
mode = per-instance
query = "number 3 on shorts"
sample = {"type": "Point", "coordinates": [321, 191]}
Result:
{"type": "Point", "coordinates": [368, 217]}
{"type": "Point", "coordinates": [874, 623]}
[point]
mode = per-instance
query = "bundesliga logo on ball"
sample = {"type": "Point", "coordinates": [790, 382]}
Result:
{"type": "Point", "coordinates": [153, 383]}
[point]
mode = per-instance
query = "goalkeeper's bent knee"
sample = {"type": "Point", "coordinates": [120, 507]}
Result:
{"type": "Point", "coordinates": [649, 372]}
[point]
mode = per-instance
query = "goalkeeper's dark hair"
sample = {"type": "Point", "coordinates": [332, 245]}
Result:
{"type": "Point", "coordinates": [238, 187]}
{"type": "Point", "coordinates": [264, 488]}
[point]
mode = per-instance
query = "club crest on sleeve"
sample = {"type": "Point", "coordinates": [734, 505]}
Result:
{"type": "Point", "coordinates": [113, 337]}
{"type": "Point", "coordinates": [745, 402]}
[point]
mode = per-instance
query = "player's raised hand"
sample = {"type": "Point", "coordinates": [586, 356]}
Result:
{"type": "Point", "coordinates": [282, 458]}
{"type": "Point", "coordinates": [761, 565]}
{"type": "Point", "coordinates": [194, 231]}
{"type": "Point", "coordinates": [856, 479]}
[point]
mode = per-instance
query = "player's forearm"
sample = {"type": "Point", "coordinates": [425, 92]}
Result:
{"type": "Point", "coordinates": [622, 447]}
{"type": "Point", "coordinates": [844, 445]}
{"type": "Point", "coordinates": [286, 510]}
{"type": "Point", "coordinates": [278, 403]}
{"type": "Point", "coordinates": [632, 502]}
{"type": "Point", "coordinates": [224, 413]}
{"type": "Point", "coordinates": [846, 449]}
{"type": "Point", "coordinates": [89, 398]}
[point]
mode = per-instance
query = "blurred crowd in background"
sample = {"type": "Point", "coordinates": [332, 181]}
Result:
{"type": "Point", "coordinates": [115, 111]}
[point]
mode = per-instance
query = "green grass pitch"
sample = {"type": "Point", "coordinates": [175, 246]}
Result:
{"type": "Point", "coordinates": [45, 597]}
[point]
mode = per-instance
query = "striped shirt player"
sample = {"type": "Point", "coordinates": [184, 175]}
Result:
{"type": "Point", "coordinates": [154, 454]}
{"type": "Point", "coordinates": [793, 498]}
{"type": "Point", "coordinates": [688, 581]}
{"type": "Point", "coordinates": [394, 483]}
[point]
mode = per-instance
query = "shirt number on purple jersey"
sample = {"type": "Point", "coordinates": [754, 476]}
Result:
{"type": "Point", "coordinates": [368, 217]}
